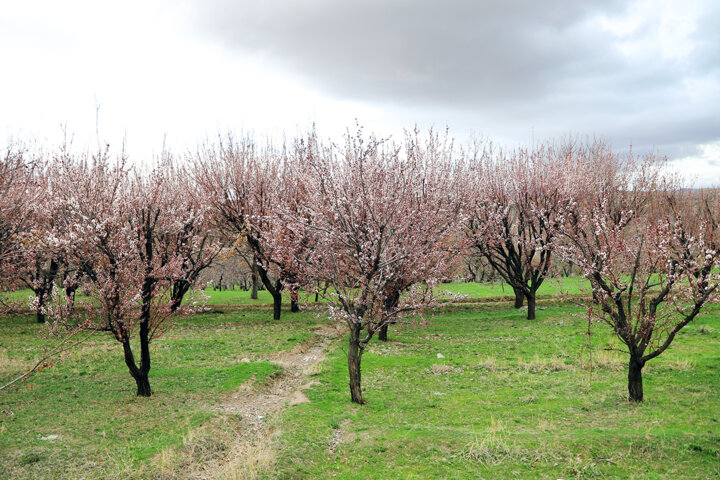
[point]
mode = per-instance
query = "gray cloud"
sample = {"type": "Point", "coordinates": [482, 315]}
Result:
{"type": "Point", "coordinates": [510, 65]}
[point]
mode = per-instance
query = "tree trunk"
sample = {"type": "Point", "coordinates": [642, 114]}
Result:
{"type": "Point", "coordinates": [143, 385]}
{"type": "Point", "coordinates": [519, 297]}
{"type": "Point", "coordinates": [277, 305]}
{"type": "Point", "coordinates": [39, 315]}
{"type": "Point", "coordinates": [391, 302]}
{"type": "Point", "coordinates": [635, 385]}
{"type": "Point", "coordinates": [294, 304]}
{"type": "Point", "coordinates": [382, 334]}
{"type": "Point", "coordinates": [254, 286]}
{"type": "Point", "coordinates": [354, 356]}
{"type": "Point", "coordinates": [275, 291]}
{"type": "Point", "coordinates": [531, 305]}
{"type": "Point", "coordinates": [139, 374]}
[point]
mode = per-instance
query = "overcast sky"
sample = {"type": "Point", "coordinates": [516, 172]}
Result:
{"type": "Point", "coordinates": [646, 72]}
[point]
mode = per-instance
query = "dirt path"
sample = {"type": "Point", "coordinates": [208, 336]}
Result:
{"type": "Point", "coordinates": [248, 413]}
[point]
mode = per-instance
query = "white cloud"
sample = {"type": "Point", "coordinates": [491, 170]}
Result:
{"type": "Point", "coordinates": [703, 168]}
{"type": "Point", "coordinates": [644, 72]}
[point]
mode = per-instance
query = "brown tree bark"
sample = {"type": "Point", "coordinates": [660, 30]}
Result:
{"type": "Point", "coordinates": [519, 297]}
{"type": "Point", "coordinates": [382, 333]}
{"type": "Point", "coordinates": [531, 305]}
{"type": "Point", "coordinates": [254, 286]}
{"type": "Point", "coordinates": [140, 374]}
{"type": "Point", "coordinates": [274, 289]}
{"type": "Point", "coordinates": [143, 386]}
{"type": "Point", "coordinates": [635, 383]}
{"type": "Point", "coordinates": [355, 350]}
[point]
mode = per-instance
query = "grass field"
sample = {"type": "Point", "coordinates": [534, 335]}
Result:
{"type": "Point", "coordinates": [88, 401]}
{"type": "Point", "coordinates": [506, 398]}
{"type": "Point", "coordinates": [471, 290]}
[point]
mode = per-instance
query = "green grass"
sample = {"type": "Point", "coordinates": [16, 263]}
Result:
{"type": "Point", "coordinates": [510, 399]}
{"type": "Point", "coordinates": [570, 285]}
{"type": "Point", "coordinates": [472, 290]}
{"type": "Point", "coordinates": [88, 401]}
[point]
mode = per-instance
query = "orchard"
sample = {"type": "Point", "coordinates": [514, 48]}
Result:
{"type": "Point", "coordinates": [364, 233]}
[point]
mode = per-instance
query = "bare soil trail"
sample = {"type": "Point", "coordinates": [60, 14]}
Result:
{"type": "Point", "coordinates": [238, 443]}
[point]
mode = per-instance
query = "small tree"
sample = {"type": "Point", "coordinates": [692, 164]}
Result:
{"type": "Point", "coordinates": [142, 241]}
{"type": "Point", "coordinates": [515, 215]}
{"type": "Point", "coordinates": [246, 188]}
{"type": "Point", "coordinates": [241, 186]}
{"type": "Point", "coordinates": [650, 250]}
{"type": "Point", "coordinates": [382, 218]}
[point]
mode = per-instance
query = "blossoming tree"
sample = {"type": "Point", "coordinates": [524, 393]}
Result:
{"type": "Point", "coordinates": [383, 218]}
{"type": "Point", "coordinates": [515, 213]}
{"type": "Point", "coordinates": [17, 202]}
{"type": "Point", "coordinates": [142, 240]}
{"type": "Point", "coordinates": [650, 250]}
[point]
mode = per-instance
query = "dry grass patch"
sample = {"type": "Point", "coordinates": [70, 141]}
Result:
{"type": "Point", "coordinates": [546, 365]}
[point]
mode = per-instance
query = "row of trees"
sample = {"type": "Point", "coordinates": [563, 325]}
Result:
{"type": "Point", "coordinates": [373, 226]}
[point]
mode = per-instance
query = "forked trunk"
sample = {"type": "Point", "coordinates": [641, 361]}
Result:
{"type": "Point", "coordinates": [519, 297]}
{"type": "Point", "coordinates": [354, 356]}
{"type": "Point", "coordinates": [143, 385]}
{"type": "Point", "coordinates": [139, 374]}
{"type": "Point", "coordinates": [635, 384]}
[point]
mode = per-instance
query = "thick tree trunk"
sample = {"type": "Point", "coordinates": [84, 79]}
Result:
{"type": "Point", "coordinates": [531, 305]}
{"type": "Point", "coordinates": [139, 374]}
{"type": "Point", "coordinates": [277, 306]}
{"type": "Point", "coordinates": [635, 385]}
{"type": "Point", "coordinates": [143, 386]}
{"type": "Point", "coordinates": [354, 357]}
{"type": "Point", "coordinates": [382, 334]}
{"type": "Point", "coordinates": [519, 297]}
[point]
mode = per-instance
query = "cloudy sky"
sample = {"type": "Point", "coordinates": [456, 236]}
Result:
{"type": "Point", "coordinates": [645, 73]}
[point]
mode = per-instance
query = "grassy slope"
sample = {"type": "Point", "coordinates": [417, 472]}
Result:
{"type": "Point", "coordinates": [88, 401]}
{"type": "Point", "coordinates": [510, 399]}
